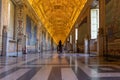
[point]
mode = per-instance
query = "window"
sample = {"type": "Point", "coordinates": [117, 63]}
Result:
{"type": "Point", "coordinates": [71, 39]}
{"type": "Point", "coordinates": [76, 34]}
{"type": "Point", "coordinates": [11, 19]}
{"type": "Point", "coordinates": [94, 23]}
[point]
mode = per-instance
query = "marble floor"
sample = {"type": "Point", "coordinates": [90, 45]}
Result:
{"type": "Point", "coordinates": [52, 66]}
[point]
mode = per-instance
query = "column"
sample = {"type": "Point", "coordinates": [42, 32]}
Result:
{"type": "Point", "coordinates": [3, 21]}
{"type": "Point", "coordinates": [21, 41]}
{"type": "Point", "coordinates": [73, 40]}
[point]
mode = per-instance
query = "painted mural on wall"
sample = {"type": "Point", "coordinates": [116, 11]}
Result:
{"type": "Point", "coordinates": [113, 19]}
{"type": "Point", "coordinates": [31, 31]}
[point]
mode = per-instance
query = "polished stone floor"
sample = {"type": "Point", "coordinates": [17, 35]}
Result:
{"type": "Point", "coordinates": [52, 66]}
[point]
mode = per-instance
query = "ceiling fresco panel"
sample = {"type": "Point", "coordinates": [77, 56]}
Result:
{"type": "Point", "coordinates": [58, 16]}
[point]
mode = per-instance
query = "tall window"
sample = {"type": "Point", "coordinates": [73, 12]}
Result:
{"type": "Point", "coordinates": [76, 34]}
{"type": "Point", "coordinates": [71, 39]}
{"type": "Point", "coordinates": [94, 23]}
{"type": "Point", "coordinates": [11, 19]}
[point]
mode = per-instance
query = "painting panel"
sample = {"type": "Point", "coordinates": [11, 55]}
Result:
{"type": "Point", "coordinates": [113, 19]}
{"type": "Point", "coordinates": [31, 31]}
{"type": "Point", "coordinates": [28, 30]}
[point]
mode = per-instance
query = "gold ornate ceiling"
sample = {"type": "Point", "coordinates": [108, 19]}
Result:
{"type": "Point", "coordinates": [58, 16]}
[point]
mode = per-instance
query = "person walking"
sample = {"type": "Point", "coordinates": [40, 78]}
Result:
{"type": "Point", "coordinates": [60, 46]}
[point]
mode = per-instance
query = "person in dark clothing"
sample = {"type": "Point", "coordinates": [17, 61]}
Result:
{"type": "Point", "coordinates": [60, 46]}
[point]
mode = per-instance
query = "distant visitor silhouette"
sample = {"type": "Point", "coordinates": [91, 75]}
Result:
{"type": "Point", "coordinates": [59, 48]}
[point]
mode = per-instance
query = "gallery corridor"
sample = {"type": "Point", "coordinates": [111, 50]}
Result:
{"type": "Point", "coordinates": [59, 40]}
{"type": "Point", "coordinates": [53, 66]}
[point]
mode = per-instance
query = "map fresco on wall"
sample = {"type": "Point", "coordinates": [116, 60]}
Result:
{"type": "Point", "coordinates": [113, 19]}
{"type": "Point", "coordinates": [31, 31]}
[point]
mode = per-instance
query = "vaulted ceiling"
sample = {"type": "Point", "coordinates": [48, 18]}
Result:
{"type": "Point", "coordinates": [58, 16]}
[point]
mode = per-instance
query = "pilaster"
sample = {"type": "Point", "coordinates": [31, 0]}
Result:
{"type": "Point", "coordinates": [102, 29]}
